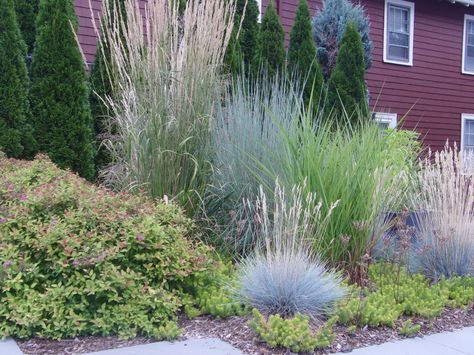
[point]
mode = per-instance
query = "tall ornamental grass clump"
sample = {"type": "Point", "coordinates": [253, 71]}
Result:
{"type": "Point", "coordinates": [444, 210]}
{"type": "Point", "coordinates": [285, 275]}
{"type": "Point", "coordinates": [247, 135]}
{"type": "Point", "coordinates": [349, 165]}
{"type": "Point", "coordinates": [165, 67]}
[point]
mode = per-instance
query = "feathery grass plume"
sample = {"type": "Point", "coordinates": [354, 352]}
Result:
{"type": "Point", "coordinates": [166, 66]}
{"type": "Point", "coordinates": [285, 275]}
{"type": "Point", "coordinates": [445, 214]}
{"type": "Point", "coordinates": [246, 136]}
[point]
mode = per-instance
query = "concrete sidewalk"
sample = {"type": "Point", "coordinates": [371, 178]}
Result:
{"type": "Point", "coordinates": [459, 342]}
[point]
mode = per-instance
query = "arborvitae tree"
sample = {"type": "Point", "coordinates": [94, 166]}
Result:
{"type": "Point", "coordinates": [302, 59]}
{"type": "Point", "coordinates": [101, 87]}
{"type": "Point", "coordinates": [16, 135]}
{"type": "Point", "coordinates": [271, 44]}
{"type": "Point", "coordinates": [233, 56]}
{"type": "Point", "coordinates": [26, 12]}
{"type": "Point", "coordinates": [329, 26]}
{"type": "Point", "coordinates": [59, 90]}
{"type": "Point", "coordinates": [347, 90]}
{"type": "Point", "coordinates": [248, 36]}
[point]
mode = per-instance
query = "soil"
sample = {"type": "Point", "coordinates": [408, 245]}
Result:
{"type": "Point", "coordinates": [235, 331]}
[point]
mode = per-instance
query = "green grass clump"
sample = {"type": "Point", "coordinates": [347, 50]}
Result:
{"type": "Point", "coordinates": [409, 329]}
{"type": "Point", "coordinates": [294, 333]}
{"type": "Point", "coordinates": [398, 293]}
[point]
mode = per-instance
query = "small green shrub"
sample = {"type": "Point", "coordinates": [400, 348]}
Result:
{"type": "Point", "coordinates": [81, 260]}
{"type": "Point", "coordinates": [397, 293]}
{"type": "Point", "coordinates": [294, 333]}
{"type": "Point", "coordinates": [409, 329]}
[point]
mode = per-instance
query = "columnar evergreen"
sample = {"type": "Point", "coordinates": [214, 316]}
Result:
{"type": "Point", "coordinates": [302, 58]}
{"type": "Point", "coordinates": [26, 11]}
{"type": "Point", "coordinates": [101, 87]}
{"type": "Point", "coordinates": [248, 36]}
{"type": "Point", "coordinates": [329, 26]}
{"type": "Point", "coordinates": [347, 90]}
{"type": "Point", "coordinates": [59, 90]}
{"type": "Point", "coordinates": [16, 135]}
{"type": "Point", "coordinates": [271, 43]}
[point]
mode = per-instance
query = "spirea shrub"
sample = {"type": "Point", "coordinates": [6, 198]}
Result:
{"type": "Point", "coordinates": [77, 259]}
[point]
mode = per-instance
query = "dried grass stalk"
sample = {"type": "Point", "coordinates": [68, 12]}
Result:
{"type": "Point", "coordinates": [164, 67]}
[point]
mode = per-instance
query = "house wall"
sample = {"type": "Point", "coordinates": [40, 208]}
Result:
{"type": "Point", "coordinates": [433, 93]}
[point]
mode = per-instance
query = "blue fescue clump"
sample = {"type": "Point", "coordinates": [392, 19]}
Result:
{"type": "Point", "coordinates": [329, 26]}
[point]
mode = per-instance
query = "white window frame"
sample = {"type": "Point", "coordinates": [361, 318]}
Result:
{"type": "Point", "coordinates": [464, 45]}
{"type": "Point", "coordinates": [411, 7]}
{"type": "Point", "coordinates": [465, 117]}
{"type": "Point", "coordinates": [385, 117]}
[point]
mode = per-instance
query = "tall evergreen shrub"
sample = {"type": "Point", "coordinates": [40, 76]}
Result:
{"type": "Point", "coordinates": [271, 47]}
{"type": "Point", "coordinates": [302, 58]}
{"type": "Point", "coordinates": [101, 87]}
{"type": "Point", "coordinates": [248, 36]}
{"type": "Point", "coordinates": [59, 90]}
{"type": "Point", "coordinates": [329, 26]}
{"type": "Point", "coordinates": [347, 91]}
{"type": "Point", "coordinates": [16, 135]}
{"type": "Point", "coordinates": [26, 12]}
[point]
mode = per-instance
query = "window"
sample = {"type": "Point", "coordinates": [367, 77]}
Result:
{"type": "Point", "coordinates": [386, 120]}
{"type": "Point", "coordinates": [259, 4]}
{"type": "Point", "coordinates": [398, 36]}
{"type": "Point", "coordinates": [467, 133]}
{"type": "Point", "coordinates": [468, 45]}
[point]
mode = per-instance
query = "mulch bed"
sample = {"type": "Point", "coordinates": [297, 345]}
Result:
{"type": "Point", "coordinates": [235, 331]}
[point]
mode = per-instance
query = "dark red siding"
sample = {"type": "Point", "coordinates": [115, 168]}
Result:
{"type": "Point", "coordinates": [433, 93]}
{"type": "Point", "coordinates": [86, 32]}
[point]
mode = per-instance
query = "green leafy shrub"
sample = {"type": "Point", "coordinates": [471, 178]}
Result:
{"type": "Point", "coordinates": [59, 90]}
{"type": "Point", "coordinates": [81, 260]}
{"type": "Point", "coordinates": [294, 334]}
{"type": "Point", "coordinates": [16, 134]}
{"type": "Point", "coordinates": [216, 297]}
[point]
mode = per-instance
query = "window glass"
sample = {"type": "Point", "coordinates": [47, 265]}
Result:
{"type": "Point", "coordinates": [398, 28]}
{"type": "Point", "coordinates": [469, 50]}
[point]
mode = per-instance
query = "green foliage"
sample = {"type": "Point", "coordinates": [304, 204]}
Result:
{"type": "Point", "coordinates": [81, 260]}
{"type": "Point", "coordinates": [408, 329]}
{"type": "Point", "coordinates": [59, 91]}
{"type": "Point", "coordinates": [233, 55]}
{"type": "Point", "coordinates": [16, 134]}
{"type": "Point", "coordinates": [294, 333]}
{"type": "Point", "coordinates": [249, 31]}
{"type": "Point", "coordinates": [270, 56]}
{"type": "Point", "coordinates": [398, 293]}
{"type": "Point", "coordinates": [100, 81]}
{"type": "Point", "coordinates": [347, 92]}
{"type": "Point", "coordinates": [216, 296]}
{"type": "Point", "coordinates": [329, 26]}
{"type": "Point", "coordinates": [302, 59]}
{"type": "Point", "coordinates": [26, 12]}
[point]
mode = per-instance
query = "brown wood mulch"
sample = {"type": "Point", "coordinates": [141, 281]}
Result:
{"type": "Point", "coordinates": [235, 331]}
